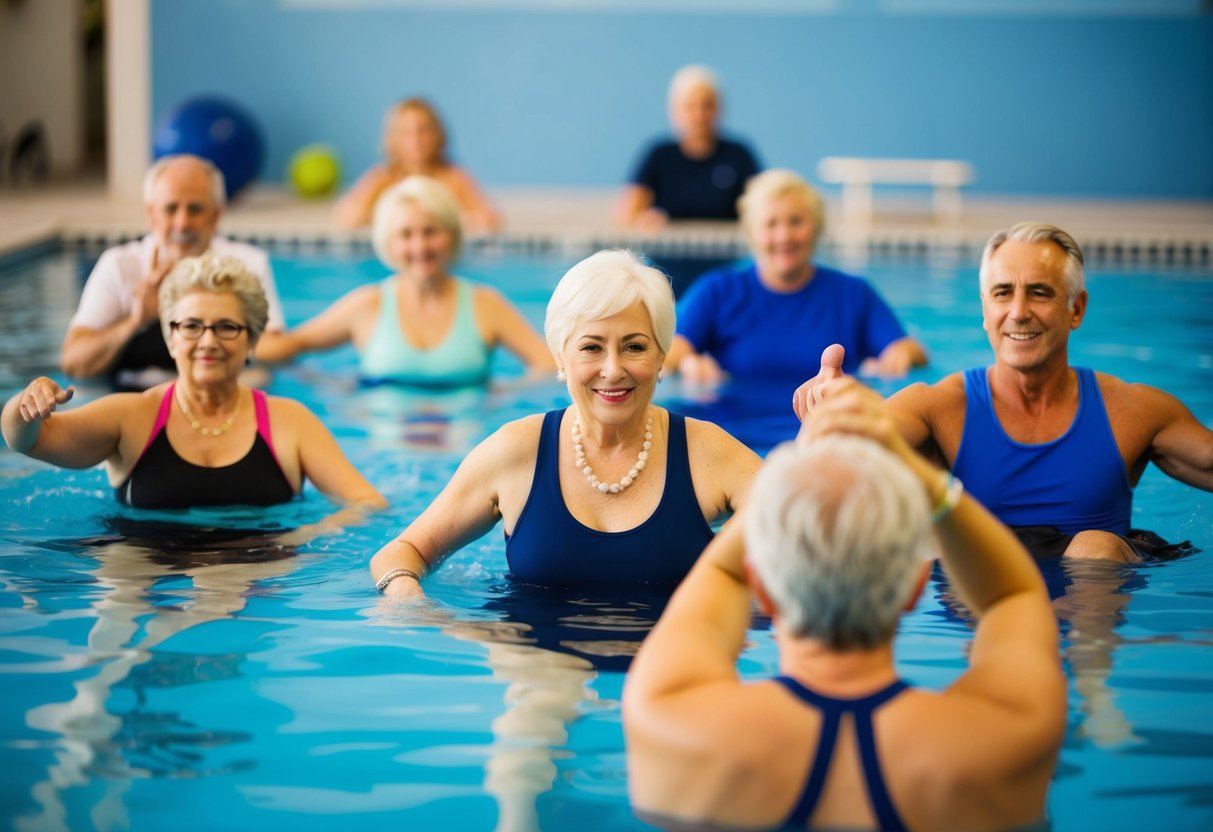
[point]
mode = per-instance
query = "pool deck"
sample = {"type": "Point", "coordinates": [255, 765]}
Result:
{"type": "Point", "coordinates": [580, 220]}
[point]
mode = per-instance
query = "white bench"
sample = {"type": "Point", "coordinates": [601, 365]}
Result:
{"type": "Point", "coordinates": [858, 175]}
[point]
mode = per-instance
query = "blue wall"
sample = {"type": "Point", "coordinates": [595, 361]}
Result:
{"type": "Point", "coordinates": [1101, 101]}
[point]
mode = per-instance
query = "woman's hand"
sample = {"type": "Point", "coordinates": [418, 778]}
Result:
{"type": "Point", "coordinates": [40, 398]}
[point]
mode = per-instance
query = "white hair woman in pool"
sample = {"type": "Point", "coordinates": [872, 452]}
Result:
{"type": "Point", "coordinates": [422, 325]}
{"type": "Point", "coordinates": [610, 489]}
{"type": "Point", "coordinates": [203, 439]}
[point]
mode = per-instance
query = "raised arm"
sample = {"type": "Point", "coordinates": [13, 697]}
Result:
{"type": "Point", "coordinates": [462, 512]}
{"type": "Point", "coordinates": [513, 331]}
{"type": "Point", "coordinates": [1014, 662]}
{"type": "Point", "coordinates": [79, 438]}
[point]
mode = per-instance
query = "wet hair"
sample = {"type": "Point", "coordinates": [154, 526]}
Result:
{"type": "Point", "coordinates": [421, 105]}
{"type": "Point", "coordinates": [691, 76]}
{"type": "Point", "coordinates": [1039, 232]}
{"type": "Point", "coordinates": [603, 285]}
{"type": "Point", "coordinates": [835, 532]}
{"type": "Point", "coordinates": [772, 184]}
{"type": "Point", "coordinates": [430, 196]}
{"type": "Point", "coordinates": [218, 187]}
{"type": "Point", "coordinates": [213, 273]}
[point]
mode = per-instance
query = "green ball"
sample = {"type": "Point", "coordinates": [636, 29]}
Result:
{"type": "Point", "coordinates": [315, 171]}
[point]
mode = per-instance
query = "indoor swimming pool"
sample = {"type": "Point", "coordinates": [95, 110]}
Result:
{"type": "Point", "coordinates": [204, 670]}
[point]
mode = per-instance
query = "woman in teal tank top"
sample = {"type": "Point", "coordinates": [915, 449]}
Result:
{"type": "Point", "coordinates": [422, 325]}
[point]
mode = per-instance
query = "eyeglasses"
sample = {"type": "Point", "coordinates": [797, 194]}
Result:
{"type": "Point", "coordinates": [192, 330]}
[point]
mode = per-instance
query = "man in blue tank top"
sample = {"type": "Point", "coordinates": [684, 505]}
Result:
{"type": "Point", "coordinates": [1053, 450]}
{"type": "Point", "coordinates": [838, 540]}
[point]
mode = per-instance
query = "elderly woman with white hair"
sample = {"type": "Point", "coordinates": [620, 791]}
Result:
{"type": "Point", "coordinates": [422, 325]}
{"type": "Point", "coordinates": [204, 439]}
{"type": "Point", "coordinates": [612, 489]}
{"type": "Point", "coordinates": [698, 175]}
{"type": "Point", "coordinates": [770, 319]}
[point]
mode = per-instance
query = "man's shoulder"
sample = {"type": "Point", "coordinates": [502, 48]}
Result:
{"type": "Point", "coordinates": [124, 256]}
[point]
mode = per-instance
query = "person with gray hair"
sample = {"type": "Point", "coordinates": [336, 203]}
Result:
{"type": "Point", "coordinates": [769, 319]}
{"type": "Point", "coordinates": [835, 545]}
{"type": "Point", "coordinates": [203, 439]}
{"type": "Point", "coordinates": [422, 325]}
{"type": "Point", "coordinates": [698, 175]}
{"type": "Point", "coordinates": [1053, 450]}
{"type": "Point", "coordinates": [612, 489]}
{"type": "Point", "coordinates": [114, 331]}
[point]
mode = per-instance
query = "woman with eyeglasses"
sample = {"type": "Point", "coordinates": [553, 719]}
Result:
{"type": "Point", "coordinates": [202, 440]}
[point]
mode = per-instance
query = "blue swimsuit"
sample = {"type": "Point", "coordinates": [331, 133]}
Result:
{"type": "Point", "coordinates": [832, 711]}
{"type": "Point", "coordinates": [550, 546]}
{"type": "Point", "coordinates": [1074, 483]}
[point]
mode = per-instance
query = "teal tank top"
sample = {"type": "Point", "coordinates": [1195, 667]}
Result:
{"type": "Point", "coordinates": [461, 359]}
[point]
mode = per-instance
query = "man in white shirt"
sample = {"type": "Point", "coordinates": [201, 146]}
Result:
{"type": "Point", "coordinates": [116, 329]}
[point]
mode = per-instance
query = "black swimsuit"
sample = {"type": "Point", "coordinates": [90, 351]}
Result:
{"type": "Point", "coordinates": [162, 479]}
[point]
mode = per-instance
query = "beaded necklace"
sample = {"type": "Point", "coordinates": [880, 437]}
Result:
{"type": "Point", "coordinates": [611, 487]}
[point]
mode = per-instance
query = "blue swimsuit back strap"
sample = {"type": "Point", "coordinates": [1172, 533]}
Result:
{"type": "Point", "coordinates": [832, 711]}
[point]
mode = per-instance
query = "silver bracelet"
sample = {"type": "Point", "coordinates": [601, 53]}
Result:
{"type": "Point", "coordinates": [382, 583]}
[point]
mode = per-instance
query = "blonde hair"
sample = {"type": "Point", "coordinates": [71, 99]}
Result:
{"type": "Point", "coordinates": [430, 196]}
{"type": "Point", "coordinates": [771, 184]}
{"type": "Point", "coordinates": [605, 284]}
{"type": "Point", "coordinates": [221, 275]}
{"type": "Point", "coordinates": [420, 105]}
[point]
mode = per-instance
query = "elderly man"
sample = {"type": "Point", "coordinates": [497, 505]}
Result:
{"type": "Point", "coordinates": [837, 545]}
{"type": "Point", "coordinates": [116, 328]}
{"type": "Point", "coordinates": [1052, 450]}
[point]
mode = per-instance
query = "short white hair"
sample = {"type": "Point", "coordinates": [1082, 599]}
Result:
{"type": "Point", "coordinates": [605, 284]}
{"type": "Point", "coordinates": [218, 274]}
{"type": "Point", "coordinates": [1039, 232]}
{"type": "Point", "coordinates": [835, 532]}
{"type": "Point", "coordinates": [214, 175]}
{"type": "Point", "coordinates": [430, 196]}
{"type": "Point", "coordinates": [691, 76]}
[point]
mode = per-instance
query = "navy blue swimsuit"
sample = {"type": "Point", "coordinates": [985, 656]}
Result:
{"type": "Point", "coordinates": [550, 546]}
{"type": "Point", "coordinates": [832, 711]}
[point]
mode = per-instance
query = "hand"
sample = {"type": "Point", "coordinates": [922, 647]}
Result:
{"type": "Point", "coordinates": [896, 360]}
{"type": "Point", "coordinates": [41, 397]}
{"type": "Point", "coordinates": [697, 368]}
{"type": "Point", "coordinates": [811, 392]}
{"type": "Point", "coordinates": [147, 294]}
{"type": "Point", "coordinates": [651, 219]}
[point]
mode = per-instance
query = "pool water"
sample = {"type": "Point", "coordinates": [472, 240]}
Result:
{"type": "Point", "coordinates": [160, 672]}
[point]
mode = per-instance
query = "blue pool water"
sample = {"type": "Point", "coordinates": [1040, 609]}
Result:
{"type": "Point", "coordinates": [160, 674]}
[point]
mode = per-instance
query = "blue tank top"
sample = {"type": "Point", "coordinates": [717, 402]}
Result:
{"type": "Point", "coordinates": [461, 359]}
{"type": "Point", "coordinates": [162, 479]}
{"type": "Point", "coordinates": [550, 546]}
{"type": "Point", "coordinates": [1076, 482]}
{"type": "Point", "coordinates": [832, 711]}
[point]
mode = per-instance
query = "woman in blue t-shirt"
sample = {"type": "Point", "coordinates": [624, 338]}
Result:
{"type": "Point", "coordinates": [771, 318]}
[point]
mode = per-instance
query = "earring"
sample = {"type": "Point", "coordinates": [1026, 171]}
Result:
{"type": "Point", "coordinates": [660, 375]}
{"type": "Point", "coordinates": [561, 377]}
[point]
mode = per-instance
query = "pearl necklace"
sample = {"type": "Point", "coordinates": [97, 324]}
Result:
{"type": "Point", "coordinates": [196, 425]}
{"type": "Point", "coordinates": [611, 487]}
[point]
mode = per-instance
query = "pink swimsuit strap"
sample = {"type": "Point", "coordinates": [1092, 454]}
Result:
{"type": "Point", "coordinates": [262, 409]}
{"type": "Point", "coordinates": [166, 405]}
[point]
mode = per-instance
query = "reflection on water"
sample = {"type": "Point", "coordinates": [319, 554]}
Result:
{"type": "Point", "coordinates": [97, 740]}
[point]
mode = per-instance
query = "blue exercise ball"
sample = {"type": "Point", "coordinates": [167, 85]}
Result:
{"type": "Point", "coordinates": [215, 129]}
